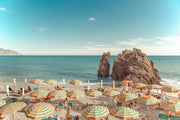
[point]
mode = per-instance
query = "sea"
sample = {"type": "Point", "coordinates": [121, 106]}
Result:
{"type": "Point", "coordinates": [75, 67]}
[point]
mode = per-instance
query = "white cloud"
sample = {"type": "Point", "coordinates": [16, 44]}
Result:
{"type": "Point", "coordinates": [2, 9]}
{"type": "Point", "coordinates": [92, 19]}
{"type": "Point", "coordinates": [42, 28]}
{"type": "Point", "coordinates": [150, 46]}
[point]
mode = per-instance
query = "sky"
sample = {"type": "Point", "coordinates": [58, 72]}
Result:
{"type": "Point", "coordinates": [90, 27]}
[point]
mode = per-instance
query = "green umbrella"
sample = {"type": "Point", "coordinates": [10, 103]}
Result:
{"type": "Point", "coordinates": [39, 94]}
{"type": "Point", "coordinates": [75, 94]}
{"type": "Point", "coordinates": [11, 108]}
{"type": "Point", "coordinates": [94, 93]}
{"type": "Point", "coordinates": [171, 105]}
{"type": "Point", "coordinates": [148, 101]}
{"type": "Point", "coordinates": [154, 86]}
{"type": "Point", "coordinates": [111, 93]}
{"type": "Point", "coordinates": [124, 113]}
{"type": "Point", "coordinates": [75, 82]}
{"type": "Point", "coordinates": [51, 82]}
{"type": "Point", "coordinates": [39, 111]}
{"type": "Point", "coordinates": [139, 86]}
{"type": "Point", "coordinates": [126, 97]}
{"type": "Point", "coordinates": [36, 81]}
{"type": "Point", "coordinates": [69, 115]}
{"type": "Point", "coordinates": [170, 89]}
{"type": "Point", "coordinates": [95, 113]}
{"type": "Point", "coordinates": [57, 94]}
{"type": "Point", "coordinates": [2, 102]}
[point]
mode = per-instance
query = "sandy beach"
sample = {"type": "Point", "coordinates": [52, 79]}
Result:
{"type": "Point", "coordinates": [61, 112]}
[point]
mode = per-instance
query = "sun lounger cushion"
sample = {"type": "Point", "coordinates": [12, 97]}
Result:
{"type": "Point", "coordinates": [70, 104]}
{"type": "Point", "coordinates": [85, 90]}
{"type": "Point", "coordinates": [35, 89]}
{"type": "Point", "coordinates": [175, 118]}
{"type": "Point", "coordinates": [61, 105]}
{"type": "Point", "coordinates": [119, 104]}
{"type": "Point", "coordinates": [163, 117]}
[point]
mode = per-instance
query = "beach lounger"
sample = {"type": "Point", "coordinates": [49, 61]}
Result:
{"type": "Point", "coordinates": [61, 105]}
{"type": "Point", "coordinates": [85, 90]}
{"type": "Point", "coordinates": [163, 117]}
{"type": "Point", "coordinates": [119, 104]}
{"type": "Point", "coordinates": [175, 117]}
{"type": "Point", "coordinates": [34, 89]}
{"type": "Point", "coordinates": [70, 104]}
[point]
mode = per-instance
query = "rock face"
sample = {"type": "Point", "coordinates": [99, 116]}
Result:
{"type": "Point", "coordinates": [104, 66]}
{"type": "Point", "coordinates": [8, 52]}
{"type": "Point", "coordinates": [136, 67]}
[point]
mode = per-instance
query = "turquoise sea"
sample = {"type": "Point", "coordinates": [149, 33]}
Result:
{"type": "Point", "coordinates": [72, 67]}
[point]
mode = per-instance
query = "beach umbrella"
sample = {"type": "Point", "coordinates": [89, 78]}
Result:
{"type": "Point", "coordinates": [11, 108]}
{"type": "Point", "coordinates": [39, 111]}
{"type": "Point", "coordinates": [154, 86]}
{"type": "Point", "coordinates": [95, 112]}
{"type": "Point", "coordinates": [69, 115]}
{"type": "Point", "coordinates": [2, 102]}
{"type": "Point", "coordinates": [124, 113]}
{"type": "Point", "coordinates": [57, 94]}
{"type": "Point", "coordinates": [139, 86]}
{"type": "Point", "coordinates": [75, 82]}
{"type": "Point", "coordinates": [37, 81]}
{"type": "Point", "coordinates": [148, 101]}
{"type": "Point", "coordinates": [111, 93]}
{"type": "Point", "coordinates": [75, 94]}
{"type": "Point", "coordinates": [94, 93]}
{"type": "Point", "coordinates": [170, 89]}
{"type": "Point", "coordinates": [51, 82]}
{"type": "Point", "coordinates": [39, 94]}
{"type": "Point", "coordinates": [126, 97]}
{"type": "Point", "coordinates": [170, 105]}
{"type": "Point", "coordinates": [1, 87]}
{"type": "Point", "coordinates": [125, 82]}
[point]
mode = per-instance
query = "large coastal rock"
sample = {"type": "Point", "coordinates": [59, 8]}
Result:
{"type": "Point", "coordinates": [104, 66]}
{"type": "Point", "coordinates": [136, 67]}
{"type": "Point", "coordinates": [8, 52]}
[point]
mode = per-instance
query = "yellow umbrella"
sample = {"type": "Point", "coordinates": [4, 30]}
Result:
{"type": "Point", "coordinates": [39, 94]}
{"type": "Point", "coordinates": [94, 93]}
{"type": "Point", "coordinates": [37, 81]}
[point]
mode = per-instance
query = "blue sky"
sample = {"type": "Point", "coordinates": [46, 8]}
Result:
{"type": "Point", "coordinates": [90, 27]}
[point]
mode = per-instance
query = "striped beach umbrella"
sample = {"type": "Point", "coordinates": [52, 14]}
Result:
{"type": "Point", "coordinates": [2, 102]}
{"type": "Point", "coordinates": [111, 93]}
{"type": "Point", "coordinates": [39, 111]}
{"type": "Point", "coordinates": [11, 108]}
{"type": "Point", "coordinates": [171, 105]}
{"type": "Point", "coordinates": [139, 86]}
{"type": "Point", "coordinates": [39, 94]}
{"type": "Point", "coordinates": [154, 86]}
{"type": "Point", "coordinates": [69, 115]}
{"type": "Point", "coordinates": [148, 101]}
{"type": "Point", "coordinates": [1, 87]}
{"type": "Point", "coordinates": [124, 113]}
{"type": "Point", "coordinates": [51, 82]}
{"type": "Point", "coordinates": [37, 81]}
{"type": "Point", "coordinates": [94, 93]}
{"type": "Point", "coordinates": [170, 89]}
{"type": "Point", "coordinates": [126, 97]}
{"type": "Point", "coordinates": [95, 113]}
{"type": "Point", "coordinates": [75, 82]}
{"type": "Point", "coordinates": [75, 94]}
{"type": "Point", "coordinates": [57, 94]}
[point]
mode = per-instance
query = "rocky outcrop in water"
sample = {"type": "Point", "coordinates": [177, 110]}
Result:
{"type": "Point", "coordinates": [8, 52]}
{"type": "Point", "coordinates": [136, 67]}
{"type": "Point", "coordinates": [104, 66]}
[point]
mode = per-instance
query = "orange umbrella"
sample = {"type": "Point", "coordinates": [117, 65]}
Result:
{"type": "Point", "coordinates": [126, 81]}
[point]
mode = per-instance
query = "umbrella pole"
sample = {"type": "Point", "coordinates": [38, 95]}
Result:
{"type": "Point", "coordinates": [148, 110]}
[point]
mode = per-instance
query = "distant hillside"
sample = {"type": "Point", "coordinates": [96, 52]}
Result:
{"type": "Point", "coordinates": [8, 52]}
